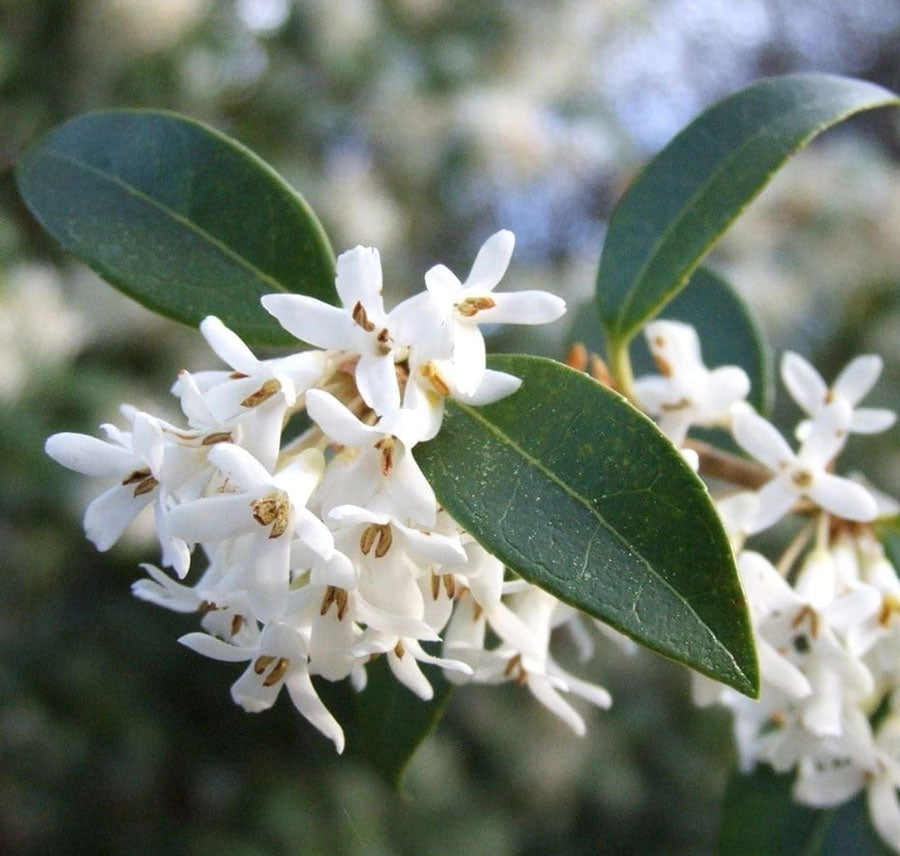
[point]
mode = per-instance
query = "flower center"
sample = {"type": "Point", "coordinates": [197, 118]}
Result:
{"type": "Point", "coordinates": [274, 509]}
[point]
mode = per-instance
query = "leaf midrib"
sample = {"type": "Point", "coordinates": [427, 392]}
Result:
{"type": "Point", "coordinates": [174, 215]}
{"type": "Point", "coordinates": [581, 500]}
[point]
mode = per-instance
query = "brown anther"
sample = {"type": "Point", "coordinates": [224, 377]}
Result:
{"type": "Point", "coordinates": [342, 599]}
{"type": "Point", "coordinates": [515, 662]}
{"type": "Point", "coordinates": [237, 376]}
{"type": "Point", "coordinates": [136, 476]}
{"type": "Point", "coordinates": [678, 405]}
{"type": "Point", "coordinates": [812, 615]}
{"type": "Point", "coordinates": [477, 610]}
{"type": "Point", "coordinates": [384, 341]}
{"type": "Point", "coordinates": [145, 486]}
{"type": "Point", "coordinates": [889, 606]}
{"type": "Point", "coordinates": [360, 317]}
{"type": "Point", "coordinates": [577, 357]}
{"type": "Point", "coordinates": [261, 663]}
{"type": "Point", "coordinates": [435, 586]}
{"type": "Point", "coordinates": [663, 365]}
{"type": "Point", "coordinates": [218, 437]}
{"type": "Point", "coordinates": [433, 376]}
{"type": "Point", "coordinates": [449, 584]}
{"type": "Point", "coordinates": [274, 509]}
{"type": "Point", "coordinates": [386, 446]}
{"type": "Point", "coordinates": [471, 306]}
{"type": "Point", "coordinates": [778, 719]}
{"type": "Point", "coordinates": [236, 623]}
{"type": "Point", "coordinates": [522, 677]}
{"type": "Point", "coordinates": [377, 535]}
{"type": "Point", "coordinates": [264, 393]}
{"type": "Point", "coordinates": [329, 598]}
{"type": "Point", "coordinates": [277, 673]}
{"type": "Point", "coordinates": [399, 650]}
{"type": "Point", "coordinates": [829, 396]}
{"type": "Point", "coordinates": [206, 606]}
{"type": "Point", "coordinates": [802, 478]}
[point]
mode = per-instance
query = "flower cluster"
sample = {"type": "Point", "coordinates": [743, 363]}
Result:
{"type": "Point", "coordinates": [309, 556]}
{"type": "Point", "coordinates": [825, 613]}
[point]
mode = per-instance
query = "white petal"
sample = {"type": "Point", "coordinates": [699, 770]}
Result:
{"type": "Point", "coordinates": [775, 500]}
{"type": "Point", "coordinates": [761, 439]}
{"type": "Point", "coordinates": [212, 518]}
{"type": "Point", "coordinates": [803, 382]}
{"type": "Point", "coordinates": [376, 380]}
{"type": "Point", "coordinates": [228, 346]}
{"type": "Point", "coordinates": [843, 497]}
{"type": "Point", "coordinates": [106, 517]}
{"type": "Point", "coordinates": [491, 262]}
{"type": "Point", "coordinates": [306, 700]}
{"type": "Point", "coordinates": [90, 455]}
{"type": "Point", "coordinates": [857, 378]}
{"type": "Point", "coordinates": [829, 786]}
{"type": "Point", "coordinates": [407, 671]}
{"type": "Point", "coordinates": [543, 691]}
{"type": "Point", "coordinates": [147, 441]}
{"type": "Point", "coordinates": [411, 492]}
{"type": "Point", "coordinates": [416, 319]}
{"type": "Point", "coordinates": [494, 386]}
{"type": "Point", "coordinates": [251, 693]}
{"type": "Point", "coordinates": [725, 385]}
{"type": "Point", "coordinates": [443, 285]}
{"type": "Point", "coordinates": [240, 467]}
{"type": "Point", "coordinates": [468, 357]}
{"type": "Point", "coordinates": [827, 434]}
{"type": "Point", "coordinates": [209, 646]}
{"type": "Point", "coordinates": [676, 344]}
{"type": "Point", "coordinates": [313, 321]}
{"type": "Point", "coordinates": [871, 420]}
{"type": "Point", "coordinates": [359, 277]}
{"type": "Point", "coordinates": [523, 307]}
{"type": "Point", "coordinates": [338, 423]}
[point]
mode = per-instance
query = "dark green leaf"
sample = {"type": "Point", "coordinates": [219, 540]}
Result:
{"type": "Point", "coordinates": [579, 493]}
{"type": "Point", "coordinates": [729, 334]}
{"type": "Point", "coordinates": [760, 818]}
{"type": "Point", "coordinates": [695, 187]}
{"type": "Point", "coordinates": [178, 216]}
{"type": "Point", "coordinates": [391, 721]}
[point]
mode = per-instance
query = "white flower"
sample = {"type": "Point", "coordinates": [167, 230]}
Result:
{"type": "Point", "coordinates": [805, 473]}
{"type": "Point", "coordinates": [809, 390]}
{"type": "Point", "coordinates": [361, 325]}
{"type": "Point", "coordinates": [269, 508]}
{"type": "Point", "coordinates": [687, 393]}
{"type": "Point", "coordinates": [257, 394]}
{"type": "Point", "coordinates": [277, 658]}
{"type": "Point", "coordinates": [375, 468]}
{"type": "Point", "coordinates": [464, 306]}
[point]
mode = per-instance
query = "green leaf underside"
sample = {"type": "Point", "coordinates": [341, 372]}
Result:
{"type": "Point", "coordinates": [179, 217]}
{"type": "Point", "coordinates": [729, 334]}
{"type": "Point", "coordinates": [760, 818]}
{"type": "Point", "coordinates": [697, 185]}
{"type": "Point", "coordinates": [579, 493]}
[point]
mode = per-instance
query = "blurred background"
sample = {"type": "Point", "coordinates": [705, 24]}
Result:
{"type": "Point", "coordinates": [420, 127]}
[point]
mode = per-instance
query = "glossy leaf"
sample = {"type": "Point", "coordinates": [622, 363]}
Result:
{"type": "Point", "coordinates": [696, 186]}
{"type": "Point", "coordinates": [760, 818]}
{"type": "Point", "coordinates": [729, 334]}
{"type": "Point", "coordinates": [579, 493]}
{"type": "Point", "coordinates": [178, 216]}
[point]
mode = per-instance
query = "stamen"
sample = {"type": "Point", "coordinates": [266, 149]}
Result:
{"type": "Point", "coordinates": [236, 623]}
{"type": "Point", "coordinates": [377, 535]}
{"type": "Point", "coordinates": [433, 376]}
{"type": "Point", "coordinates": [471, 306]}
{"type": "Point", "coordinates": [399, 650]}
{"type": "Point", "coordinates": [277, 673]}
{"type": "Point", "coordinates": [386, 446]}
{"type": "Point", "coordinates": [262, 663]}
{"type": "Point", "coordinates": [812, 615]}
{"type": "Point", "coordinates": [145, 486]}
{"type": "Point", "coordinates": [665, 369]}
{"type": "Point", "coordinates": [274, 508]}
{"type": "Point", "coordinates": [218, 437]}
{"type": "Point", "coordinates": [360, 317]}
{"type": "Point", "coordinates": [678, 405]}
{"type": "Point", "coordinates": [514, 663]}
{"type": "Point", "coordinates": [890, 605]}
{"type": "Point", "coordinates": [384, 341]}
{"type": "Point", "coordinates": [802, 479]}
{"type": "Point", "coordinates": [264, 393]}
{"type": "Point", "coordinates": [206, 606]}
{"type": "Point", "coordinates": [449, 584]}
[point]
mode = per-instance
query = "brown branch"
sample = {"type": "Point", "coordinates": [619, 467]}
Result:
{"type": "Point", "coordinates": [718, 464]}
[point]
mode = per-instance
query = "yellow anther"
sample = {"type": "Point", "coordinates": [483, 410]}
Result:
{"type": "Point", "coordinates": [274, 509]}
{"type": "Point", "coordinates": [473, 305]}
{"type": "Point", "coordinates": [264, 393]}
